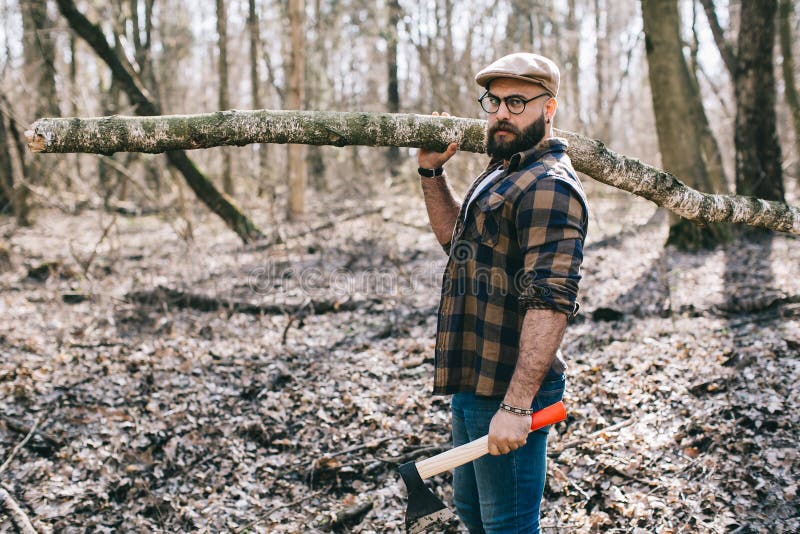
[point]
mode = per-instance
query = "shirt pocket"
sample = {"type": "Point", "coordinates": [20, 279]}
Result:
{"type": "Point", "coordinates": [489, 217]}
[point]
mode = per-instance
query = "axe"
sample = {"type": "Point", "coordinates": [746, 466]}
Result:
{"type": "Point", "coordinates": [425, 508]}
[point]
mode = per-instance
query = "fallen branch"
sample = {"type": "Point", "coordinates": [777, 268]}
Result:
{"type": "Point", "coordinates": [17, 515]}
{"type": "Point", "coordinates": [21, 444]}
{"type": "Point", "coordinates": [22, 428]}
{"type": "Point", "coordinates": [263, 245]}
{"type": "Point", "coordinates": [347, 518]}
{"type": "Point", "coordinates": [154, 134]}
{"type": "Point", "coordinates": [181, 299]}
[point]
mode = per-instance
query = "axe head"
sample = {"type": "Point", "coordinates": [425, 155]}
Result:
{"type": "Point", "coordinates": [424, 508]}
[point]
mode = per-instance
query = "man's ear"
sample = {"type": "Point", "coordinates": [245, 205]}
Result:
{"type": "Point", "coordinates": [550, 107]}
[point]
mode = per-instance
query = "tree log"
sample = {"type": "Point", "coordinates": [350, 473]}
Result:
{"type": "Point", "coordinates": [107, 135]}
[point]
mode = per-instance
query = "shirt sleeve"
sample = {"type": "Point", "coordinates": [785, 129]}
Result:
{"type": "Point", "coordinates": [550, 224]}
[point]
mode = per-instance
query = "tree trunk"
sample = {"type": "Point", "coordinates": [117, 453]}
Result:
{"type": "Point", "coordinates": [296, 153]}
{"type": "Point", "coordinates": [789, 84]}
{"type": "Point", "coordinates": [222, 45]}
{"type": "Point", "coordinates": [12, 161]}
{"type": "Point", "coordinates": [758, 150]}
{"type": "Point", "coordinates": [679, 113]}
{"type": "Point", "coordinates": [601, 51]}
{"type": "Point", "coordinates": [392, 88]}
{"type": "Point", "coordinates": [724, 46]}
{"type": "Point", "coordinates": [39, 53]}
{"type": "Point", "coordinates": [573, 64]}
{"type": "Point", "coordinates": [144, 62]}
{"type": "Point", "coordinates": [144, 105]}
{"type": "Point", "coordinates": [156, 134]}
{"type": "Point", "coordinates": [262, 173]}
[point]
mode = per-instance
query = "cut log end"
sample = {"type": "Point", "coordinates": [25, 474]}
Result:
{"type": "Point", "coordinates": [36, 142]}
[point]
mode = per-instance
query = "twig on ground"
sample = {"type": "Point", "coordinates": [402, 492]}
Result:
{"type": "Point", "coordinates": [578, 441]}
{"type": "Point", "coordinates": [360, 446]}
{"type": "Point", "coordinates": [87, 264]}
{"type": "Point", "coordinates": [17, 515]}
{"type": "Point", "coordinates": [276, 508]}
{"type": "Point", "coordinates": [21, 444]}
{"type": "Point", "coordinates": [346, 518]}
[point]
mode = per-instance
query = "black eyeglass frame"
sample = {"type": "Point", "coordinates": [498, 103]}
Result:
{"type": "Point", "coordinates": [504, 100]}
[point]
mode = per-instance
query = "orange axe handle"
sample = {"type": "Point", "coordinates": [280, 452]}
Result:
{"type": "Point", "coordinates": [475, 449]}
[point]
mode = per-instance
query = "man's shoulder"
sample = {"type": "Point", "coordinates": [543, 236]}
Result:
{"type": "Point", "coordinates": [551, 166]}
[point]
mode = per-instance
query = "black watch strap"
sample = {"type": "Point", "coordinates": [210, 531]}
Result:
{"type": "Point", "coordinates": [430, 173]}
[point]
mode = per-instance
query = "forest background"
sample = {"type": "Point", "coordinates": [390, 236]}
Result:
{"type": "Point", "coordinates": [165, 373]}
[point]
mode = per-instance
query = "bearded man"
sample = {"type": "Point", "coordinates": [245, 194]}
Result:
{"type": "Point", "coordinates": [515, 249]}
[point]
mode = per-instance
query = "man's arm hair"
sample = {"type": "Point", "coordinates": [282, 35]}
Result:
{"type": "Point", "coordinates": [442, 207]}
{"type": "Point", "coordinates": [542, 330]}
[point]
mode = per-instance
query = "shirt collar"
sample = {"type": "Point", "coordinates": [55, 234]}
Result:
{"type": "Point", "coordinates": [545, 146]}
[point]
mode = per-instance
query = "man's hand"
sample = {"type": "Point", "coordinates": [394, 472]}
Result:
{"type": "Point", "coordinates": [508, 432]}
{"type": "Point", "coordinates": [428, 159]}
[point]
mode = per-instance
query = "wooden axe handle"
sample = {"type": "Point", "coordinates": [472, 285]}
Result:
{"type": "Point", "coordinates": [475, 449]}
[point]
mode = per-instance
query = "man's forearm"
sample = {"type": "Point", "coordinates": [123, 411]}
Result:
{"type": "Point", "coordinates": [540, 338]}
{"type": "Point", "coordinates": [442, 207]}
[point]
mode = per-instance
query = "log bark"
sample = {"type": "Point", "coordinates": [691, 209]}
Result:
{"type": "Point", "coordinates": [158, 134]}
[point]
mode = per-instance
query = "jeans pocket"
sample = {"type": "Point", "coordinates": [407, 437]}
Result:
{"type": "Point", "coordinates": [550, 392]}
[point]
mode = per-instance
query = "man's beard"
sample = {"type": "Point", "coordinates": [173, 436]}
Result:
{"type": "Point", "coordinates": [523, 139]}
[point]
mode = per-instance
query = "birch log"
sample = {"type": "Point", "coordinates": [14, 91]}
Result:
{"type": "Point", "coordinates": [106, 135]}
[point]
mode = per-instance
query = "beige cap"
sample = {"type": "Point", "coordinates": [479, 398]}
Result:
{"type": "Point", "coordinates": [523, 66]}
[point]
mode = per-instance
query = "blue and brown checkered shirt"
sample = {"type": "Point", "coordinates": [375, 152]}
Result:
{"type": "Point", "coordinates": [518, 245]}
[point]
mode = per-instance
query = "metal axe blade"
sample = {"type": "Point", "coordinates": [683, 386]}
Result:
{"type": "Point", "coordinates": [424, 508]}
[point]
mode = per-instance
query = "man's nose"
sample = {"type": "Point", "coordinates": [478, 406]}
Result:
{"type": "Point", "coordinates": [502, 111]}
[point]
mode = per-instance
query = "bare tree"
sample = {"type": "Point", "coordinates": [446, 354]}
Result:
{"type": "Point", "coordinates": [789, 84]}
{"type": "Point", "coordinates": [254, 32]}
{"type": "Point", "coordinates": [144, 105]}
{"type": "Point", "coordinates": [13, 190]}
{"type": "Point", "coordinates": [296, 153]}
{"type": "Point", "coordinates": [394, 13]}
{"type": "Point", "coordinates": [222, 45]}
{"type": "Point", "coordinates": [39, 54]}
{"type": "Point", "coordinates": [758, 149]}
{"type": "Point", "coordinates": [676, 101]}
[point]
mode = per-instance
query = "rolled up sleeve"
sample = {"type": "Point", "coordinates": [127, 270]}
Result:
{"type": "Point", "coordinates": [551, 229]}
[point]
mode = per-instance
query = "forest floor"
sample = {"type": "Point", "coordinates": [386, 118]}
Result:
{"type": "Point", "coordinates": [158, 410]}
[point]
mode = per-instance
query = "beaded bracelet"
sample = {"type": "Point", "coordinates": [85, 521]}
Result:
{"type": "Point", "coordinates": [515, 410]}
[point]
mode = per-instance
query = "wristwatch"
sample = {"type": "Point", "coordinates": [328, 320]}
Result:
{"type": "Point", "coordinates": [430, 173]}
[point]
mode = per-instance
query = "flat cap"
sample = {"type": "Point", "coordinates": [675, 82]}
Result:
{"type": "Point", "coordinates": [523, 66]}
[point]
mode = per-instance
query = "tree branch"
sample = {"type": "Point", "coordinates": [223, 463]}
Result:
{"type": "Point", "coordinates": [124, 74]}
{"type": "Point", "coordinates": [17, 515]}
{"type": "Point", "coordinates": [107, 135]}
{"type": "Point", "coordinates": [725, 48]}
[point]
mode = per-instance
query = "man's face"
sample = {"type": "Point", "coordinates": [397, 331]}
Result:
{"type": "Point", "coordinates": [507, 133]}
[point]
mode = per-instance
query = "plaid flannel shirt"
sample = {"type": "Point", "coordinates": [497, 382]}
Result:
{"type": "Point", "coordinates": [518, 246]}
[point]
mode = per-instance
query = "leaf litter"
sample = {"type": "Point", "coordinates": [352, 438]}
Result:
{"type": "Point", "coordinates": [682, 402]}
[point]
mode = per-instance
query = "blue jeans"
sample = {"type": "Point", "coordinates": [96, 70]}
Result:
{"type": "Point", "coordinates": [501, 494]}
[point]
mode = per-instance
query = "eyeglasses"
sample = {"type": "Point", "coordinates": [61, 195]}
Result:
{"type": "Point", "coordinates": [515, 105]}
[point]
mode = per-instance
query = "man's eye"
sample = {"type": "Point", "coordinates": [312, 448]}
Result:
{"type": "Point", "coordinates": [514, 102]}
{"type": "Point", "coordinates": [494, 100]}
